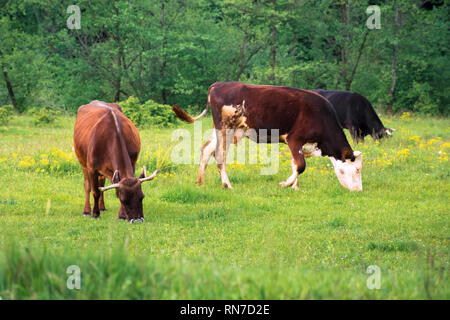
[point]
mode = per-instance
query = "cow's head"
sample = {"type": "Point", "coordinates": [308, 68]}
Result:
{"type": "Point", "coordinates": [129, 192]}
{"type": "Point", "coordinates": [388, 132]}
{"type": "Point", "coordinates": [382, 133]}
{"type": "Point", "coordinates": [349, 172]}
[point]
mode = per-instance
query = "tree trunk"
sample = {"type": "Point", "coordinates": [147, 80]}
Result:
{"type": "Point", "coordinates": [361, 49]}
{"type": "Point", "coordinates": [119, 61]}
{"type": "Point", "coordinates": [345, 21]}
{"type": "Point", "coordinates": [273, 48]}
{"type": "Point", "coordinates": [118, 79]}
{"type": "Point", "coordinates": [10, 89]}
{"type": "Point", "coordinates": [394, 65]}
{"type": "Point", "coordinates": [162, 71]}
{"type": "Point", "coordinates": [273, 54]}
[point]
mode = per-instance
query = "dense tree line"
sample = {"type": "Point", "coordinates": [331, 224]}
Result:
{"type": "Point", "coordinates": [172, 50]}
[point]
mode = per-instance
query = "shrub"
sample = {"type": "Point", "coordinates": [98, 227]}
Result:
{"type": "Point", "coordinates": [6, 112]}
{"type": "Point", "coordinates": [149, 113]}
{"type": "Point", "coordinates": [43, 116]}
{"type": "Point", "coordinates": [132, 109]}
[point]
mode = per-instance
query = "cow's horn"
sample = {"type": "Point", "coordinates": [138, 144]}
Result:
{"type": "Point", "coordinates": [115, 185]}
{"type": "Point", "coordinates": [149, 178]}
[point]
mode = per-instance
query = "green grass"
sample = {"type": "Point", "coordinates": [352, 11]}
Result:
{"type": "Point", "coordinates": [256, 241]}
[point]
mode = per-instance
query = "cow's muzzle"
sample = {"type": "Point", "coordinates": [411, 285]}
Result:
{"type": "Point", "coordinates": [138, 220]}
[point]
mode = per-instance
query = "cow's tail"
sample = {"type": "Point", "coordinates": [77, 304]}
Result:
{"type": "Point", "coordinates": [183, 115]}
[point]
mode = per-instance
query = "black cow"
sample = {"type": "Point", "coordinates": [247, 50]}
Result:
{"type": "Point", "coordinates": [356, 114]}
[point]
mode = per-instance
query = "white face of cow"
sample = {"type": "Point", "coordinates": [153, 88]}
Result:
{"type": "Point", "coordinates": [348, 172]}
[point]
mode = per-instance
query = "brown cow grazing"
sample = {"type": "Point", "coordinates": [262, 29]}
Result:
{"type": "Point", "coordinates": [305, 121]}
{"type": "Point", "coordinates": [107, 144]}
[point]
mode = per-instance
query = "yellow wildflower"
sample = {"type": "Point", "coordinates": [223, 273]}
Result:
{"type": "Point", "coordinates": [405, 115]}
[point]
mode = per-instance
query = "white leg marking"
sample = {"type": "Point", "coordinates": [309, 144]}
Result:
{"type": "Point", "coordinates": [223, 141]}
{"type": "Point", "coordinates": [295, 184]}
{"type": "Point", "coordinates": [207, 152]}
{"type": "Point", "coordinates": [224, 177]}
{"type": "Point", "coordinates": [291, 180]}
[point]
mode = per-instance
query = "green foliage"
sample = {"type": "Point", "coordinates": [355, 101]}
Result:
{"type": "Point", "coordinates": [6, 112]}
{"type": "Point", "coordinates": [125, 50]}
{"type": "Point", "coordinates": [156, 114]}
{"type": "Point", "coordinates": [422, 93]}
{"type": "Point", "coordinates": [149, 113]}
{"type": "Point", "coordinates": [43, 116]}
{"type": "Point", "coordinates": [132, 109]}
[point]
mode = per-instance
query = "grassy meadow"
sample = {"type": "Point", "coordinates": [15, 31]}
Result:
{"type": "Point", "coordinates": [256, 241]}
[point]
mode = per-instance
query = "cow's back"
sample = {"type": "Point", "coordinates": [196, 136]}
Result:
{"type": "Point", "coordinates": [98, 126]}
{"type": "Point", "coordinates": [355, 112]}
{"type": "Point", "coordinates": [271, 107]}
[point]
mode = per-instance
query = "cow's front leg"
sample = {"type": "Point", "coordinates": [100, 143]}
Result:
{"type": "Point", "coordinates": [223, 141]}
{"type": "Point", "coordinates": [298, 164]}
{"type": "Point", "coordinates": [122, 215]}
{"type": "Point", "coordinates": [87, 190]}
{"type": "Point", "coordinates": [93, 179]}
{"type": "Point", "coordinates": [293, 177]}
{"type": "Point", "coordinates": [101, 183]}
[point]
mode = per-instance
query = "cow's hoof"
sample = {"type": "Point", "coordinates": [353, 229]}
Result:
{"type": "Point", "coordinates": [95, 216]}
{"type": "Point", "coordinates": [86, 214]}
{"type": "Point", "coordinates": [286, 184]}
{"type": "Point", "coordinates": [294, 187]}
{"type": "Point", "coordinates": [227, 186]}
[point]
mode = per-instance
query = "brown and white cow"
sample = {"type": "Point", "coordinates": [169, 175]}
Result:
{"type": "Point", "coordinates": [107, 144]}
{"type": "Point", "coordinates": [305, 121]}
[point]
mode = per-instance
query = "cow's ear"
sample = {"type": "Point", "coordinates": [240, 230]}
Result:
{"type": "Point", "coordinates": [116, 177]}
{"type": "Point", "coordinates": [143, 173]}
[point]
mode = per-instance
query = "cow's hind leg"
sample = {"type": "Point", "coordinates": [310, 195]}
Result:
{"type": "Point", "coordinates": [87, 190]}
{"type": "Point", "coordinates": [101, 183]}
{"type": "Point", "coordinates": [207, 150]}
{"type": "Point", "coordinates": [298, 163]}
{"type": "Point", "coordinates": [295, 184]}
{"type": "Point", "coordinates": [223, 141]}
